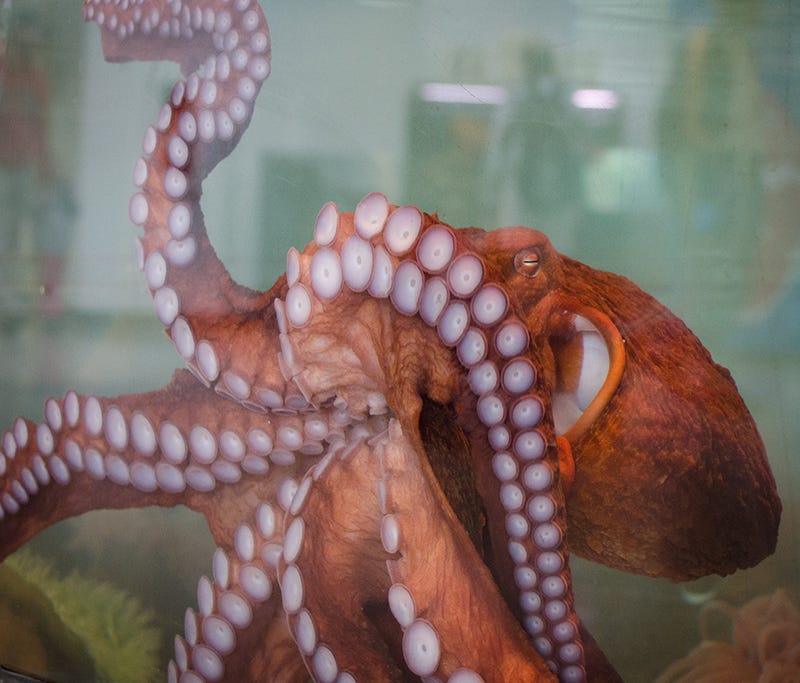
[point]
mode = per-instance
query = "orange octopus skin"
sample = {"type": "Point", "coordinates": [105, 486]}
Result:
{"type": "Point", "coordinates": [397, 447]}
{"type": "Point", "coordinates": [671, 455]}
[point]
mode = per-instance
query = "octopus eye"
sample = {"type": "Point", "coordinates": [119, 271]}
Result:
{"type": "Point", "coordinates": [528, 261]}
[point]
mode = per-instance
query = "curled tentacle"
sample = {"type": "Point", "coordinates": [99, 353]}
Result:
{"type": "Point", "coordinates": [225, 49]}
{"type": "Point", "coordinates": [238, 629]}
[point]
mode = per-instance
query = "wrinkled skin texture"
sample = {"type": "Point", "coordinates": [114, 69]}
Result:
{"type": "Point", "coordinates": [397, 446]}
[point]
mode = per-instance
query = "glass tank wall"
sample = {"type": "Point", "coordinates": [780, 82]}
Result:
{"type": "Point", "coordinates": [659, 140]}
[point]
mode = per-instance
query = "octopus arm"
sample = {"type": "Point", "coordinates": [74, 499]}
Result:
{"type": "Point", "coordinates": [333, 570]}
{"type": "Point", "coordinates": [224, 49]}
{"type": "Point", "coordinates": [164, 447]}
{"type": "Point", "coordinates": [376, 565]}
{"type": "Point", "coordinates": [436, 573]}
{"type": "Point", "coordinates": [239, 631]}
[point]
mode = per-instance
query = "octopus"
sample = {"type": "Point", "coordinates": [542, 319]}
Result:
{"type": "Point", "coordinates": [398, 446]}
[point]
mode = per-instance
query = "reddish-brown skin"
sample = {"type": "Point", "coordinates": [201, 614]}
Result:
{"type": "Point", "coordinates": [675, 456]}
{"type": "Point", "coordinates": [636, 502]}
{"type": "Point", "coordinates": [663, 474]}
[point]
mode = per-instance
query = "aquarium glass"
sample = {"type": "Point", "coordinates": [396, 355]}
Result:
{"type": "Point", "coordinates": [659, 140]}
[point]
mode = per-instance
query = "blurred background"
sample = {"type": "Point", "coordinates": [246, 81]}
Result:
{"type": "Point", "coordinates": [657, 139]}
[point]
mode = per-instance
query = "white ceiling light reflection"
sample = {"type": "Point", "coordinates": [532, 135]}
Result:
{"type": "Point", "coordinates": [595, 98]}
{"type": "Point", "coordinates": [467, 93]}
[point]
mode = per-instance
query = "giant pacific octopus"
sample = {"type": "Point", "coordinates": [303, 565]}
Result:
{"type": "Point", "coordinates": [397, 446]}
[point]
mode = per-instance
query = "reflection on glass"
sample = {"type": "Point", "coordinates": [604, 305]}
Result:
{"type": "Point", "coordinates": [35, 190]}
{"type": "Point", "coordinates": [729, 156]}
